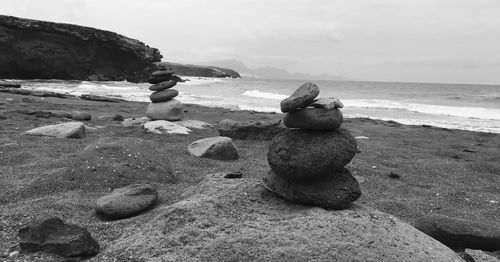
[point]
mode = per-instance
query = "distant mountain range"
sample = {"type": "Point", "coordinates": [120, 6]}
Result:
{"type": "Point", "coordinates": [266, 72]}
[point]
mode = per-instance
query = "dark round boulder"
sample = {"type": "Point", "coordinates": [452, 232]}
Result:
{"type": "Point", "coordinates": [314, 119]}
{"type": "Point", "coordinates": [163, 85]}
{"type": "Point", "coordinates": [335, 191]}
{"type": "Point", "coordinates": [113, 162]}
{"type": "Point", "coordinates": [163, 95]}
{"type": "Point", "coordinates": [307, 154]}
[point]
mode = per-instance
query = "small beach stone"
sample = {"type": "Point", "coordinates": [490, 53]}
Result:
{"type": "Point", "coordinates": [328, 103]}
{"type": "Point", "coordinates": [163, 95]}
{"type": "Point", "coordinates": [302, 97]}
{"type": "Point", "coordinates": [118, 117]}
{"type": "Point", "coordinates": [163, 73]}
{"type": "Point", "coordinates": [334, 191]}
{"type": "Point", "coordinates": [170, 110]}
{"type": "Point", "coordinates": [165, 127]}
{"type": "Point", "coordinates": [307, 154]}
{"type": "Point", "coordinates": [80, 116]}
{"type": "Point", "coordinates": [64, 130]}
{"type": "Point", "coordinates": [127, 201]}
{"type": "Point", "coordinates": [159, 79]}
{"type": "Point", "coordinates": [219, 148]}
{"type": "Point", "coordinates": [461, 233]}
{"type": "Point", "coordinates": [163, 85]}
{"type": "Point", "coordinates": [314, 119]}
{"type": "Point", "coordinates": [54, 236]}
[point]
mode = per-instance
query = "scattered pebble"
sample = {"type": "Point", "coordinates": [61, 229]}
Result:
{"type": "Point", "coordinates": [118, 117]}
{"type": "Point", "coordinates": [394, 175]}
{"type": "Point", "coordinates": [234, 175]}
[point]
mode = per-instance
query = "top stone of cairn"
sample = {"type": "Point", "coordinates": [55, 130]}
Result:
{"type": "Point", "coordinates": [302, 97]}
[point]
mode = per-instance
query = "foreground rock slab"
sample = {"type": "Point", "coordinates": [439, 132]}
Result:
{"type": "Point", "coordinates": [219, 148]}
{"type": "Point", "coordinates": [127, 201]}
{"type": "Point", "coordinates": [259, 130]}
{"type": "Point", "coordinates": [113, 162]}
{"type": "Point", "coordinates": [54, 236]}
{"type": "Point", "coordinates": [461, 233]}
{"type": "Point", "coordinates": [64, 130]}
{"type": "Point", "coordinates": [165, 127]}
{"type": "Point", "coordinates": [239, 220]}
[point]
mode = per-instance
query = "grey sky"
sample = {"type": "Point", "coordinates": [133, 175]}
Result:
{"type": "Point", "coordinates": [454, 41]}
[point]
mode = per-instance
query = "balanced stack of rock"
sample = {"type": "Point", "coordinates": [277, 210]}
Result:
{"type": "Point", "coordinates": [163, 106]}
{"type": "Point", "coordinates": [307, 159]}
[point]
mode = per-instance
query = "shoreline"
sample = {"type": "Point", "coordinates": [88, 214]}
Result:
{"type": "Point", "coordinates": [441, 171]}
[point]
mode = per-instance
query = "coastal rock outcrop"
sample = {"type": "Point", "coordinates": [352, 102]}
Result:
{"type": "Point", "coordinates": [202, 71]}
{"type": "Point", "coordinates": [32, 49]}
{"type": "Point", "coordinates": [238, 220]}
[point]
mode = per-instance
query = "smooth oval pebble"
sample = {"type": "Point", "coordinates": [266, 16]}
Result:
{"type": "Point", "coordinates": [158, 79]}
{"type": "Point", "coordinates": [302, 97]}
{"type": "Point", "coordinates": [163, 95]}
{"type": "Point", "coordinates": [163, 73]}
{"type": "Point", "coordinates": [336, 190]}
{"type": "Point", "coordinates": [127, 201]}
{"type": "Point", "coordinates": [314, 119]}
{"type": "Point", "coordinates": [163, 85]}
{"type": "Point", "coordinates": [297, 154]}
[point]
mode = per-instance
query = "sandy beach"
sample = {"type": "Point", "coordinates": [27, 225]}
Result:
{"type": "Point", "coordinates": [434, 170]}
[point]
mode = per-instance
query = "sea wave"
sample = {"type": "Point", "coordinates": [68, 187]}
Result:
{"type": "Point", "coordinates": [467, 112]}
{"type": "Point", "coordinates": [260, 94]}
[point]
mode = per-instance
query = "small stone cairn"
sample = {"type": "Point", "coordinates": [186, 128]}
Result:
{"type": "Point", "coordinates": [163, 106]}
{"type": "Point", "coordinates": [307, 159]}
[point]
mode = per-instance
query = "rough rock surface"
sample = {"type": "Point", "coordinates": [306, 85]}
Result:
{"type": "Point", "coordinates": [165, 127]}
{"type": "Point", "coordinates": [480, 256]}
{"type": "Point", "coordinates": [219, 148]}
{"type": "Point", "coordinates": [54, 236]}
{"type": "Point", "coordinates": [36, 49]}
{"type": "Point", "coordinates": [307, 154]}
{"type": "Point", "coordinates": [335, 191]}
{"type": "Point", "coordinates": [302, 97]}
{"type": "Point", "coordinates": [327, 103]}
{"type": "Point", "coordinates": [239, 220]}
{"type": "Point", "coordinates": [170, 110]}
{"type": "Point", "coordinates": [259, 130]}
{"type": "Point", "coordinates": [461, 233]}
{"type": "Point", "coordinates": [80, 116]}
{"type": "Point", "coordinates": [127, 201]}
{"type": "Point", "coordinates": [314, 119]}
{"type": "Point", "coordinates": [113, 162]}
{"type": "Point", "coordinates": [64, 130]}
{"type": "Point", "coordinates": [163, 95]}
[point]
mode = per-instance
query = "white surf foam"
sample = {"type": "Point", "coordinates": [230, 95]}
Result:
{"type": "Point", "coordinates": [260, 94]}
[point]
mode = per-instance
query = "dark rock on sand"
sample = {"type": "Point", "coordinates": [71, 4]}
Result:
{"type": "Point", "coordinates": [54, 236]}
{"type": "Point", "coordinates": [164, 95]}
{"type": "Point", "coordinates": [314, 119]}
{"type": "Point", "coordinates": [238, 220]}
{"type": "Point", "coordinates": [259, 130]}
{"type": "Point", "coordinates": [219, 148]}
{"type": "Point", "coordinates": [302, 97]}
{"type": "Point", "coordinates": [336, 190]}
{"type": "Point", "coordinates": [170, 110]}
{"type": "Point", "coordinates": [81, 116]}
{"type": "Point", "coordinates": [64, 130]}
{"type": "Point", "coordinates": [113, 162]}
{"type": "Point", "coordinates": [163, 85]}
{"type": "Point", "coordinates": [308, 154]}
{"type": "Point", "coordinates": [118, 117]}
{"type": "Point", "coordinates": [101, 98]}
{"type": "Point", "coordinates": [127, 201]}
{"type": "Point", "coordinates": [327, 103]}
{"type": "Point", "coordinates": [32, 49]}
{"type": "Point", "coordinates": [159, 79]}
{"type": "Point", "coordinates": [461, 233]}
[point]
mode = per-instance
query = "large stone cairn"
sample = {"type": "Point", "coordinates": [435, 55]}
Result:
{"type": "Point", "coordinates": [163, 106]}
{"type": "Point", "coordinates": [307, 159]}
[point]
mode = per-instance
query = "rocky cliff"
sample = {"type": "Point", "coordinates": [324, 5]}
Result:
{"type": "Point", "coordinates": [202, 71]}
{"type": "Point", "coordinates": [31, 49]}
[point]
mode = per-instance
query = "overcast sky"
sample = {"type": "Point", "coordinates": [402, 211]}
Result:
{"type": "Point", "coordinates": [455, 41]}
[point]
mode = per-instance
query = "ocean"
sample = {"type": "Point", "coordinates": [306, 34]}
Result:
{"type": "Point", "coordinates": [456, 106]}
